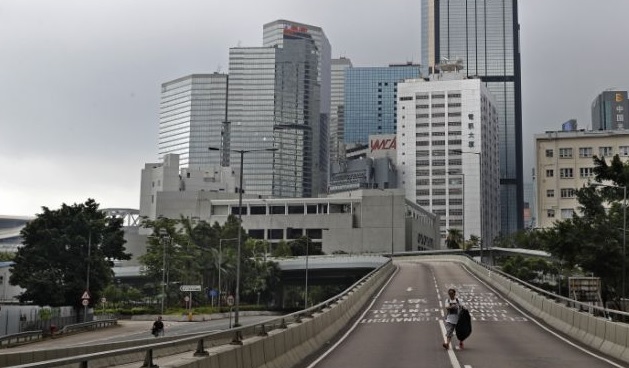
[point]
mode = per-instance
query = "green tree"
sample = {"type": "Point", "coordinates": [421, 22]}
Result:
{"type": "Point", "coordinates": [454, 239]}
{"type": "Point", "coordinates": [53, 261]}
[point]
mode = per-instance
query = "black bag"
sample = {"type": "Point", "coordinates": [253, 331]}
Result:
{"type": "Point", "coordinates": [464, 326]}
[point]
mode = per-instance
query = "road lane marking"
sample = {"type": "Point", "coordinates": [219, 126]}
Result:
{"type": "Point", "coordinates": [544, 327]}
{"type": "Point", "coordinates": [453, 360]}
{"type": "Point", "coordinates": [351, 329]}
{"type": "Point", "coordinates": [409, 289]}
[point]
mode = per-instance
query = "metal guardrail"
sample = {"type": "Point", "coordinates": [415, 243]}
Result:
{"type": "Point", "coordinates": [88, 325]}
{"type": "Point", "coordinates": [198, 342]}
{"type": "Point", "coordinates": [24, 336]}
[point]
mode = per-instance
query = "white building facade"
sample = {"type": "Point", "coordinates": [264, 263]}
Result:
{"type": "Point", "coordinates": [360, 221]}
{"type": "Point", "coordinates": [192, 110]}
{"type": "Point", "coordinates": [564, 164]}
{"type": "Point", "coordinates": [448, 160]}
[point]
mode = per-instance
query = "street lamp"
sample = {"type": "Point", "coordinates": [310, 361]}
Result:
{"type": "Point", "coordinates": [220, 261]}
{"type": "Point", "coordinates": [307, 256]}
{"type": "Point", "coordinates": [458, 173]}
{"type": "Point", "coordinates": [87, 281]}
{"type": "Point", "coordinates": [481, 187]}
{"type": "Point", "coordinates": [624, 230]}
{"type": "Point", "coordinates": [163, 234]}
{"type": "Point", "coordinates": [242, 155]}
{"type": "Point", "coordinates": [392, 211]}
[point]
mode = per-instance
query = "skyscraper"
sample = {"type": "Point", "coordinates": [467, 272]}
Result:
{"type": "Point", "coordinates": [370, 100]}
{"type": "Point", "coordinates": [337, 109]}
{"type": "Point", "coordinates": [192, 109]}
{"type": "Point", "coordinates": [484, 35]}
{"type": "Point", "coordinates": [610, 110]}
{"type": "Point", "coordinates": [274, 99]}
{"type": "Point", "coordinates": [275, 34]}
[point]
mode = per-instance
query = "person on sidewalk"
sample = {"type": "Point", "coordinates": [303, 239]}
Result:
{"type": "Point", "coordinates": [453, 306]}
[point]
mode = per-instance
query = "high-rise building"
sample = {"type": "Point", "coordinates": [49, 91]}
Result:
{"type": "Point", "coordinates": [192, 109]}
{"type": "Point", "coordinates": [610, 110]}
{"type": "Point", "coordinates": [274, 98]}
{"type": "Point", "coordinates": [275, 34]}
{"type": "Point", "coordinates": [337, 109]}
{"type": "Point", "coordinates": [484, 36]}
{"type": "Point", "coordinates": [447, 153]}
{"type": "Point", "coordinates": [370, 100]}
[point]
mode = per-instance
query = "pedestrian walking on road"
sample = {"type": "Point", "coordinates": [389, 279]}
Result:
{"type": "Point", "coordinates": [453, 307]}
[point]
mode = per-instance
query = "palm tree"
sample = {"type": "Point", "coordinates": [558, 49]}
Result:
{"type": "Point", "coordinates": [454, 240]}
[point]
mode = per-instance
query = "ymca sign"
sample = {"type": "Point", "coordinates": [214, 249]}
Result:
{"type": "Point", "coordinates": [382, 142]}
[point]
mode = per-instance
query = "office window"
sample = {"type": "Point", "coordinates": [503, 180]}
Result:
{"type": "Point", "coordinates": [549, 153]}
{"type": "Point", "coordinates": [567, 192]}
{"type": "Point", "coordinates": [566, 173]}
{"type": "Point", "coordinates": [566, 213]}
{"type": "Point", "coordinates": [550, 173]}
{"type": "Point", "coordinates": [586, 172]}
{"type": "Point", "coordinates": [565, 153]}
{"type": "Point", "coordinates": [605, 151]}
{"type": "Point", "coordinates": [623, 150]}
{"type": "Point", "coordinates": [585, 152]}
{"type": "Point", "coordinates": [550, 213]}
{"type": "Point", "coordinates": [550, 193]}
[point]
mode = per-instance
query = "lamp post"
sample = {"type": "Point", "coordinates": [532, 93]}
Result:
{"type": "Point", "coordinates": [392, 211]}
{"type": "Point", "coordinates": [163, 234]}
{"type": "Point", "coordinates": [87, 281]}
{"type": "Point", "coordinates": [481, 197]}
{"type": "Point", "coordinates": [242, 155]}
{"type": "Point", "coordinates": [220, 261]}
{"type": "Point", "coordinates": [624, 231]}
{"type": "Point", "coordinates": [457, 173]}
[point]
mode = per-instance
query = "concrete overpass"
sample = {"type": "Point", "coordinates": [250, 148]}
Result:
{"type": "Point", "coordinates": [394, 333]}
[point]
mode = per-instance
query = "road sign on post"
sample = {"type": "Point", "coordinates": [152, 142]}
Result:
{"type": "Point", "coordinates": [190, 288]}
{"type": "Point", "coordinates": [230, 300]}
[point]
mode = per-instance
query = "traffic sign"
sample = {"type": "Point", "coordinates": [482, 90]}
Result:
{"type": "Point", "coordinates": [86, 295]}
{"type": "Point", "coordinates": [230, 300]}
{"type": "Point", "coordinates": [190, 288]}
{"type": "Point", "coordinates": [103, 300]}
{"type": "Point", "coordinates": [85, 302]}
{"type": "Point", "coordinates": [186, 298]}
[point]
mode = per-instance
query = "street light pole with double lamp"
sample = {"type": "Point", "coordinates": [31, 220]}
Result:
{"type": "Point", "coordinates": [237, 296]}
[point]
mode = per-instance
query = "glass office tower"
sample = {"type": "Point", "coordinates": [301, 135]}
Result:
{"type": "Point", "coordinates": [275, 34]}
{"type": "Point", "coordinates": [274, 101]}
{"type": "Point", "coordinates": [337, 109]}
{"type": "Point", "coordinates": [370, 100]}
{"type": "Point", "coordinates": [484, 35]}
{"type": "Point", "coordinates": [192, 109]}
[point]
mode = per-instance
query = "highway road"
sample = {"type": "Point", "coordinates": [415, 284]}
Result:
{"type": "Point", "coordinates": [403, 327]}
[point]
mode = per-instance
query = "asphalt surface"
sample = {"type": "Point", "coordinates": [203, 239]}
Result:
{"type": "Point", "coordinates": [404, 328]}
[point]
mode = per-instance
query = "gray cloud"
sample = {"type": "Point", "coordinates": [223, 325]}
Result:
{"type": "Point", "coordinates": [80, 81]}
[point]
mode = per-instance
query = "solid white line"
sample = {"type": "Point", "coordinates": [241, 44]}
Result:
{"type": "Point", "coordinates": [544, 327]}
{"type": "Point", "coordinates": [453, 360]}
{"type": "Point", "coordinates": [327, 352]}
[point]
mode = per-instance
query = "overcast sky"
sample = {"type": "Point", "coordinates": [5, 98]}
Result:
{"type": "Point", "coordinates": [80, 80]}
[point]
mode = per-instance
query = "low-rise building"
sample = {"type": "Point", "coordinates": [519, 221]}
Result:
{"type": "Point", "coordinates": [564, 164]}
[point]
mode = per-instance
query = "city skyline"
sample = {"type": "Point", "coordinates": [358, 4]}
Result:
{"type": "Point", "coordinates": [80, 99]}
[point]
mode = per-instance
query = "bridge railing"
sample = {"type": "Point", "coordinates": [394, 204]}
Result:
{"type": "Point", "coordinates": [268, 342]}
{"type": "Point", "coordinates": [20, 337]}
